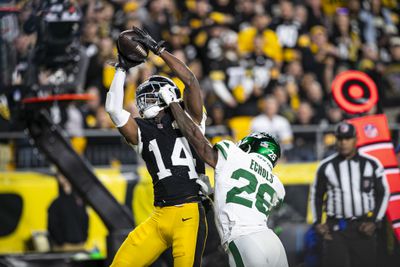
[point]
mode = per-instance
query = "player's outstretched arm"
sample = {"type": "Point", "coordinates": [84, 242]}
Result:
{"type": "Point", "coordinates": [194, 135]}
{"type": "Point", "coordinates": [114, 106]}
{"type": "Point", "coordinates": [189, 129]}
{"type": "Point", "coordinates": [192, 94]}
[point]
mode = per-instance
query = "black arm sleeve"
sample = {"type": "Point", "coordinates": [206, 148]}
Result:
{"type": "Point", "coordinates": [317, 192]}
{"type": "Point", "coordinates": [381, 194]}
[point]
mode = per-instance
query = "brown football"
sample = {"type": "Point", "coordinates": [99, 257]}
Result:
{"type": "Point", "coordinates": [131, 49]}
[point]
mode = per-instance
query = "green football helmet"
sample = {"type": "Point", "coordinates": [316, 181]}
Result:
{"type": "Point", "coordinates": [263, 144]}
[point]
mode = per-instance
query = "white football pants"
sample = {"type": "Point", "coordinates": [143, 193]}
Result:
{"type": "Point", "coordinates": [259, 249]}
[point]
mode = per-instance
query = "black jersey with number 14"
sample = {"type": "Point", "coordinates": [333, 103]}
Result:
{"type": "Point", "coordinates": [171, 161]}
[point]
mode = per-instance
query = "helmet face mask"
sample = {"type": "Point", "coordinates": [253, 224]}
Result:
{"type": "Point", "coordinates": [149, 105]}
{"type": "Point", "coordinates": [148, 100]}
{"type": "Point", "coordinates": [263, 144]}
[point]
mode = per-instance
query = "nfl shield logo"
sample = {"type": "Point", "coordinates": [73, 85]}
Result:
{"type": "Point", "coordinates": [264, 144]}
{"type": "Point", "coordinates": [370, 131]}
{"type": "Point", "coordinates": [344, 128]}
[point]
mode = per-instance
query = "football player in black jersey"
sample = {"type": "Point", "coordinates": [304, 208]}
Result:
{"type": "Point", "coordinates": [178, 220]}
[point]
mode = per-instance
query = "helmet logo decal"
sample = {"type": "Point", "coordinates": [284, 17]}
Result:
{"type": "Point", "coordinates": [272, 156]}
{"type": "Point", "coordinates": [264, 144]}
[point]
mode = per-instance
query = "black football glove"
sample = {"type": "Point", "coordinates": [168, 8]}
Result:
{"type": "Point", "coordinates": [123, 63]}
{"type": "Point", "coordinates": [145, 39]}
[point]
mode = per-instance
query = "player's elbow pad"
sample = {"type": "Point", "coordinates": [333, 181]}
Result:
{"type": "Point", "coordinates": [118, 115]}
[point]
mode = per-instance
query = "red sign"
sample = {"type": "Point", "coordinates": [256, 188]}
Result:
{"type": "Point", "coordinates": [373, 138]}
{"type": "Point", "coordinates": [354, 91]}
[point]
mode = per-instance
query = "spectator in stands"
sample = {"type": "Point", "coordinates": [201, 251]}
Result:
{"type": "Point", "coordinates": [294, 71]}
{"type": "Point", "coordinates": [208, 43]}
{"type": "Point", "coordinates": [315, 14]}
{"type": "Point", "coordinates": [99, 74]}
{"type": "Point", "coordinates": [263, 68]}
{"type": "Point", "coordinates": [90, 37]}
{"type": "Point", "coordinates": [90, 108]}
{"type": "Point", "coordinates": [346, 38]}
{"type": "Point", "coordinates": [305, 114]}
{"type": "Point", "coordinates": [218, 129]}
{"type": "Point", "coordinates": [104, 18]}
{"type": "Point", "coordinates": [259, 26]}
{"type": "Point", "coordinates": [392, 74]}
{"type": "Point", "coordinates": [334, 114]}
{"type": "Point", "coordinates": [382, 21]}
{"type": "Point", "coordinates": [90, 41]}
{"type": "Point", "coordinates": [23, 43]}
{"type": "Point", "coordinates": [198, 17]}
{"type": "Point", "coordinates": [306, 80]}
{"type": "Point", "coordinates": [323, 55]}
{"type": "Point", "coordinates": [290, 33]}
{"type": "Point", "coordinates": [159, 17]}
{"type": "Point", "coordinates": [282, 96]}
{"type": "Point", "coordinates": [304, 142]}
{"type": "Point", "coordinates": [68, 220]}
{"type": "Point", "coordinates": [292, 88]}
{"type": "Point", "coordinates": [360, 25]}
{"type": "Point", "coordinates": [301, 15]}
{"type": "Point", "coordinates": [275, 124]}
{"type": "Point", "coordinates": [245, 14]}
{"type": "Point", "coordinates": [177, 38]}
{"type": "Point", "coordinates": [232, 83]}
{"type": "Point", "coordinates": [315, 96]}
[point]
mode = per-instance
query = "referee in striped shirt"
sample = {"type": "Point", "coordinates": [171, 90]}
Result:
{"type": "Point", "coordinates": [356, 199]}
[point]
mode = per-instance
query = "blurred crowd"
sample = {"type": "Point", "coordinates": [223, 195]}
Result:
{"type": "Point", "coordinates": [263, 65]}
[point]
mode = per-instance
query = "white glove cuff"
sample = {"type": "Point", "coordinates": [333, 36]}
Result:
{"type": "Point", "coordinates": [121, 118]}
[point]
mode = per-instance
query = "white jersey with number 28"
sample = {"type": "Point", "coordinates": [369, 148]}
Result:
{"type": "Point", "coordinates": [245, 192]}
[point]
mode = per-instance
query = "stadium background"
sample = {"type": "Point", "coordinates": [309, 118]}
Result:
{"type": "Point", "coordinates": [241, 51]}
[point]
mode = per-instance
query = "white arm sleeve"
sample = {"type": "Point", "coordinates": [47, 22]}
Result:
{"type": "Point", "coordinates": [115, 100]}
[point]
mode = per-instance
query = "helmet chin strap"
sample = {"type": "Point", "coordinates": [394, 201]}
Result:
{"type": "Point", "coordinates": [151, 112]}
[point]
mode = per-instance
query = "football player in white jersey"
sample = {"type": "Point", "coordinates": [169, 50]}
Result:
{"type": "Point", "coordinates": [245, 190]}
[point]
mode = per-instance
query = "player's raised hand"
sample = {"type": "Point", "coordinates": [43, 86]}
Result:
{"type": "Point", "coordinates": [168, 94]}
{"type": "Point", "coordinates": [126, 64]}
{"type": "Point", "coordinates": [145, 38]}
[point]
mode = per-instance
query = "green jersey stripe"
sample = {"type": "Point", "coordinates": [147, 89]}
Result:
{"type": "Point", "coordinates": [222, 149]}
{"type": "Point", "coordinates": [236, 254]}
{"type": "Point", "coordinates": [226, 143]}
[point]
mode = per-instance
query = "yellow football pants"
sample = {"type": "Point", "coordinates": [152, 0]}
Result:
{"type": "Point", "coordinates": [184, 227]}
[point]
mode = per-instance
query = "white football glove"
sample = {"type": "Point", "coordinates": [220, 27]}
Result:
{"type": "Point", "coordinates": [168, 94]}
{"type": "Point", "coordinates": [205, 185]}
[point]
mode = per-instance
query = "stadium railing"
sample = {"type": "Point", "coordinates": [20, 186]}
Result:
{"type": "Point", "coordinates": [106, 147]}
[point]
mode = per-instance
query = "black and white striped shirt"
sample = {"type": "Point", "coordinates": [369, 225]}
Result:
{"type": "Point", "coordinates": [354, 187]}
